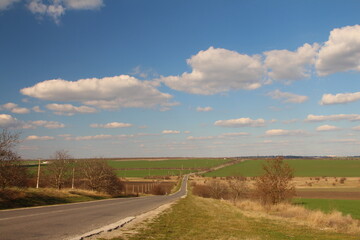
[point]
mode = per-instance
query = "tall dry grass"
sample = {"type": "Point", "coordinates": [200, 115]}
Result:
{"type": "Point", "coordinates": [334, 221]}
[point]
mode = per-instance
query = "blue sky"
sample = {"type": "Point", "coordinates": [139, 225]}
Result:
{"type": "Point", "coordinates": [114, 78]}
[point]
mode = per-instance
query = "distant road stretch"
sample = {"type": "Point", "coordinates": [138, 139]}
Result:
{"type": "Point", "coordinates": [70, 220]}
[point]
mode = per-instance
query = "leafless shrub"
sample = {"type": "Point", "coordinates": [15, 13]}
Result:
{"type": "Point", "coordinates": [238, 188]}
{"type": "Point", "coordinates": [202, 190]}
{"type": "Point", "coordinates": [11, 171]}
{"type": "Point", "coordinates": [342, 180]}
{"type": "Point", "coordinates": [60, 169]}
{"type": "Point", "coordinates": [99, 176]}
{"type": "Point", "coordinates": [274, 186]}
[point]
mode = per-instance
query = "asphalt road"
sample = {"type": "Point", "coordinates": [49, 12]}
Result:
{"type": "Point", "coordinates": [70, 220]}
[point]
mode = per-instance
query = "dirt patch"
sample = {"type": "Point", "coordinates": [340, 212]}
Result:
{"type": "Point", "coordinates": [329, 194]}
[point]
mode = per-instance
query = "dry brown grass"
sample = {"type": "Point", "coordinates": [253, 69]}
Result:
{"type": "Point", "coordinates": [334, 221]}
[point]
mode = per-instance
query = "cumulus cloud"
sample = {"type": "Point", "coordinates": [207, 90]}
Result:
{"type": "Point", "coordinates": [56, 8]}
{"type": "Point", "coordinates": [13, 107]}
{"type": "Point", "coordinates": [288, 66]}
{"type": "Point", "coordinates": [111, 125]}
{"type": "Point", "coordinates": [7, 121]}
{"type": "Point", "coordinates": [43, 123]}
{"type": "Point", "coordinates": [234, 134]}
{"type": "Point", "coordinates": [287, 97]}
{"type": "Point", "coordinates": [6, 4]}
{"type": "Point", "coordinates": [217, 70]}
{"type": "Point", "coordinates": [170, 132]}
{"type": "Point", "coordinates": [95, 137]}
{"type": "Point", "coordinates": [241, 122]}
{"type": "Point", "coordinates": [357, 128]}
{"type": "Point", "coordinates": [108, 93]}
{"type": "Point", "coordinates": [334, 117]}
{"type": "Point", "coordinates": [341, 52]}
{"type": "Point", "coordinates": [204, 109]}
{"type": "Point", "coordinates": [37, 109]}
{"type": "Point", "coordinates": [326, 128]}
{"type": "Point", "coordinates": [68, 109]}
{"type": "Point", "coordinates": [284, 132]}
{"type": "Point", "coordinates": [200, 138]}
{"type": "Point", "coordinates": [340, 98]}
{"type": "Point", "coordinates": [43, 138]}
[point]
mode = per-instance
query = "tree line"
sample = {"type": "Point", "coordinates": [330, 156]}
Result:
{"type": "Point", "coordinates": [62, 171]}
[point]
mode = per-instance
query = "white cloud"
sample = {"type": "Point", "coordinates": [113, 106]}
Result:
{"type": "Point", "coordinates": [111, 125]}
{"type": "Point", "coordinates": [200, 138]}
{"type": "Point", "coordinates": [325, 128]}
{"type": "Point", "coordinates": [204, 109]}
{"type": "Point", "coordinates": [45, 124]}
{"type": "Point", "coordinates": [283, 132]}
{"type": "Point", "coordinates": [287, 65]}
{"type": "Point", "coordinates": [341, 52]}
{"type": "Point", "coordinates": [357, 128]}
{"type": "Point", "coordinates": [241, 122]}
{"type": "Point", "coordinates": [68, 109]}
{"type": "Point", "coordinates": [83, 4]}
{"type": "Point", "coordinates": [96, 137]}
{"type": "Point", "coordinates": [20, 110]}
{"type": "Point", "coordinates": [13, 107]}
{"type": "Point", "coordinates": [37, 109]}
{"type": "Point", "coordinates": [108, 93]}
{"type": "Point", "coordinates": [7, 121]}
{"type": "Point", "coordinates": [335, 117]}
{"type": "Point", "coordinates": [340, 98]}
{"type": "Point", "coordinates": [217, 70]}
{"type": "Point", "coordinates": [42, 138]}
{"type": "Point", "coordinates": [170, 132]}
{"type": "Point", "coordinates": [287, 97]}
{"type": "Point", "coordinates": [5, 4]}
{"type": "Point", "coordinates": [9, 106]}
{"type": "Point", "coordinates": [235, 134]}
{"type": "Point", "coordinates": [56, 8]}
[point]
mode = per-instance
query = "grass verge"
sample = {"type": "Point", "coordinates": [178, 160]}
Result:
{"type": "Point", "coordinates": [30, 197]}
{"type": "Point", "coordinates": [199, 218]}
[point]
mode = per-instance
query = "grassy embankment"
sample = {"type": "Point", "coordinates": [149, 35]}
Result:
{"type": "Point", "coordinates": [195, 218]}
{"type": "Point", "coordinates": [30, 197]}
{"type": "Point", "coordinates": [303, 168]}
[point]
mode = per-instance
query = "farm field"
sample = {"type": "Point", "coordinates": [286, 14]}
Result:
{"type": "Point", "coordinates": [303, 168]}
{"type": "Point", "coordinates": [151, 172]}
{"type": "Point", "coordinates": [172, 163]}
{"type": "Point", "coordinates": [346, 206]}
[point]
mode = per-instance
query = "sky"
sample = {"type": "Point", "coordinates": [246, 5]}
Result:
{"type": "Point", "coordinates": [160, 78]}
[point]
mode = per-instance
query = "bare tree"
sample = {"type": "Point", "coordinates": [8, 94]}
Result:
{"type": "Point", "coordinates": [218, 189]}
{"type": "Point", "coordinates": [275, 186]}
{"type": "Point", "coordinates": [60, 169]}
{"type": "Point", "coordinates": [99, 176]}
{"type": "Point", "coordinates": [11, 171]}
{"type": "Point", "coordinates": [238, 188]}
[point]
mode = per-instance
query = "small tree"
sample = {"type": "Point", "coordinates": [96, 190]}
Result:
{"type": "Point", "coordinates": [11, 171]}
{"type": "Point", "coordinates": [275, 186]}
{"type": "Point", "coordinates": [238, 188]}
{"type": "Point", "coordinates": [59, 170]}
{"type": "Point", "coordinates": [99, 176]}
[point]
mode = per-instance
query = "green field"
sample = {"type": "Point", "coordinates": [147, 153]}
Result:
{"type": "Point", "coordinates": [351, 207]}
{"type": "Point", "coordinates": [302, 167]}
{"type": "Point", "coordinates": [151, 172]}
{"type": "Point", "coordinates": [172, 163]}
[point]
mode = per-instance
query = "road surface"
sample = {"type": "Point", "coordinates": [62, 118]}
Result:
{"type": "Point", "coordinates": [71, 220]}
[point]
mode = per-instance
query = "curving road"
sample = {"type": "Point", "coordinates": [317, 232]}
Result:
{"type": "Point", "coordinates": [71, 220]}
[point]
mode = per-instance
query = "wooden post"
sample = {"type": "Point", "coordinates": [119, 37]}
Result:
{"type": "Point", "coordinates": [38, 175]}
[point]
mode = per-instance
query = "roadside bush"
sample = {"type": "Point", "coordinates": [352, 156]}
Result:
{"type": "Point", "coordinates": [202, 190]}
{"type": "Point", "coordinates": [12, 173]}
{"type": "Point", "coordinates": [99, 176]}
{"type": "Point", "coordinates": [237, 188]}
{"type": "Point", "coordinates": [160, 189]}
{"type": "Point", "coordinates": [275, 186]}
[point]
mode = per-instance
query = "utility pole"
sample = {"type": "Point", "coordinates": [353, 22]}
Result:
{"type": "Point", "coordinates": [38, 175]}
{"type": "Point", "coordinates": [73, 178]}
